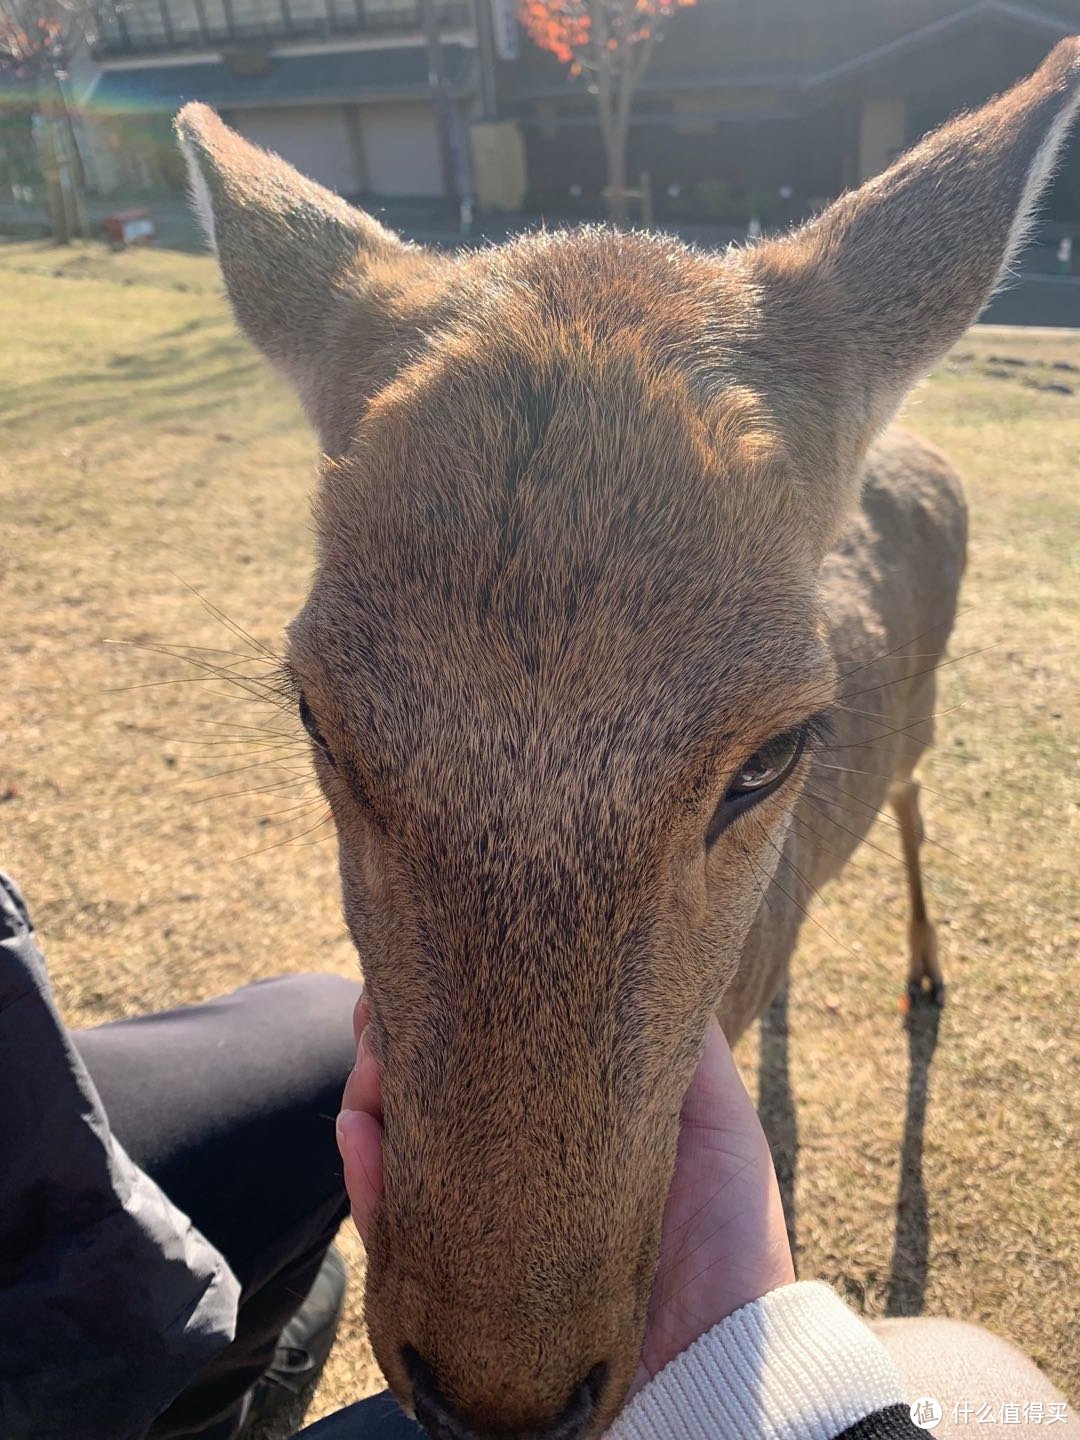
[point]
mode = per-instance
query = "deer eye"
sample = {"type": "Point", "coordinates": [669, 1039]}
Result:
{"type": "Point", "coordinates": [767, 766]}
{"type": "Point", "coordinates": [759, 775]}
{"type": "Point", "coordinates": [311, 725]}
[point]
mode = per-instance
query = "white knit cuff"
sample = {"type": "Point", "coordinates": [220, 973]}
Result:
{"type": "Point", "coordinates": [795, 1365]}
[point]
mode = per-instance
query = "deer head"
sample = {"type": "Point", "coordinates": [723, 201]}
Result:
{"type": "Point", "coordinates": [562, 666]}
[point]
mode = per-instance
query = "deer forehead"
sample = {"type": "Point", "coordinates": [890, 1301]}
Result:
{"type": "Point", "coordinates": [531, 536]}
{"type": "Point", "coordinates": [557, 456]}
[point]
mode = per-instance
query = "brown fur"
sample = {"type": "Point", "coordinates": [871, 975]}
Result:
{"type": "Point", "coordinates": [577, 561]}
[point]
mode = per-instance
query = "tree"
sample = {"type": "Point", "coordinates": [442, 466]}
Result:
{"type": "Point", "coordinates": [611, 41]}
{"type": "Point", "coordinates": [36, 41]}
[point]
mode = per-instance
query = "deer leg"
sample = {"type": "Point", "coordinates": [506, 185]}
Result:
{"type": "Point", "coordinates": [924, 972]}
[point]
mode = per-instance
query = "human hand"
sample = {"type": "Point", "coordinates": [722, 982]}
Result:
{"type": "Point", "coordinates": [724, 1240]}
{"type": "Point", "coordinates": [359, 1126]}
{"type": "Point", "coordinates": [723, 1243]}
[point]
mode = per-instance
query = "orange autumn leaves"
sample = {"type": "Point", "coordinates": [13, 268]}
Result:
{"type": "Point", "coordinates": [31, 36]}
{"type": "Point", "coordinates": [572, 29]}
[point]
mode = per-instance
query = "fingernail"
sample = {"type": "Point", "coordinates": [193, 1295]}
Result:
{"type": "Point", "coordinates": [343, 1121]}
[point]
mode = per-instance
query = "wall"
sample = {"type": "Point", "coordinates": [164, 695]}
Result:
{"type": "Point", "coordinates": [882, 133]}
{"type": "Point", "coordinates": [317, 139]}
{"type": "Point", "coordinates": [401, 149]}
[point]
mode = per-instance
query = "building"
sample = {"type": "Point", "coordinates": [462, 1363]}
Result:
{"type": "Point", "coordinates": [749, 107]}
{"type": "Point", "coordinates": [745, 102]}
{"type": "Point", "coordinates": [341, 88]}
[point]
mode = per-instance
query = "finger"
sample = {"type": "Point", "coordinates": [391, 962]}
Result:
{"type": "Point", "coordinates": [363, 1088]}
{"type": "Point", "coordinates": [717, 1097]}
{"type": "Point", "coordinates": [359, 1137]}
{"type": "Point", "coordinates": [361, 1015]}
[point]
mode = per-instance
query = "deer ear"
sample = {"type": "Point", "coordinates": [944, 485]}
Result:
{"type": "Point", "coordinates": [292, 256]}
{"type": "Point", "coordinates": [870, 294]}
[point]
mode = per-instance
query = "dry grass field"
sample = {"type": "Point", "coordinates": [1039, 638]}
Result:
{"type": "Point", "coordinates": [144, 449]}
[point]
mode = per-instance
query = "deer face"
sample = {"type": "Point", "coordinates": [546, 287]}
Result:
{"type": "Point", "coordinates": [562, 667]}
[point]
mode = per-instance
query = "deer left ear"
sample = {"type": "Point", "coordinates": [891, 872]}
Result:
{"type": "Point", "coordinates": [857, 305]}
{"type": "Point", "coordinates": [308, 275]}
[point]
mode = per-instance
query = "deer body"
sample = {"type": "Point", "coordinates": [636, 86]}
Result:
{"type": "Point", "coordinates": [612, 570]}
{"type": "Point", "coordinates": [890, 590]}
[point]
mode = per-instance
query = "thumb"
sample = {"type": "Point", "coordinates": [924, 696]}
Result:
{"type": "Point", "coordinates": [359, 1138]}
{"type": "Point", "coordinates": [716, 1095]}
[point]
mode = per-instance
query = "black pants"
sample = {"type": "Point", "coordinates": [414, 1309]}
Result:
{"type": "Point", "coordinates": [378, 1418]}
{"type": "Point", "coordinates": [230, 1107]}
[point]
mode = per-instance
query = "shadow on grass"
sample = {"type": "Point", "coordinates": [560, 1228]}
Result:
{"type": "Point", "coordinates": [776, 1105]}
{"type": "Point", "coordinates": [911, 1247]}
{"type": "Point", "coordinates": [165, 381]}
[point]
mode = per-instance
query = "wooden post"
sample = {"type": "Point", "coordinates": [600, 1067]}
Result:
{"type": "Point", "coordinates": [55, 201]}
{"type": "Point", "coordinates": [439, 99]}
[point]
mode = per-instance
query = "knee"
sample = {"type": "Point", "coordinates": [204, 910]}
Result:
{"type": "Point", "coordinates": [313, 993]}
{"type": "Point", "coordinates": [929, 1351]}
{"type": "Point", "coordinates": [301, 1023]}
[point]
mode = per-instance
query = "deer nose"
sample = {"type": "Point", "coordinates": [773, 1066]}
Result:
{"type": "Point", "coordinates": [441, 1423]}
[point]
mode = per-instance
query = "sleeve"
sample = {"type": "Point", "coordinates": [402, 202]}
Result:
{"type": "Point", "coordinates": [110, 1300]}
{"type": "Point", "coordinates": [795, 1365]}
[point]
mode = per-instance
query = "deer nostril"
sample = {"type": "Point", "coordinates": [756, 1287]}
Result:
{"type": "Point", "coordinates": [582, 1407]}
{"type": "Point", "coordinates": [438, 1419]}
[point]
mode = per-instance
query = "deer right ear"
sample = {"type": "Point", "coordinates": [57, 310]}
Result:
{"type": "Point", "coordinates": [292, 256]}
{"type": "Point", "coordinates": [857, 305]}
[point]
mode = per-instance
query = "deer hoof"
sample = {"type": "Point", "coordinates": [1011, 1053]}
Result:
{"type": "Point", "coordinates": [924, 989]}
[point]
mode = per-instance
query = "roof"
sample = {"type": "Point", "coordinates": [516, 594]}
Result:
{"type": "Point", "coordinates": [339, 76]}
{"type": "Point", "coordinates": [750, 48]}
{"type": "Point", "coordinates": [1025, 16]}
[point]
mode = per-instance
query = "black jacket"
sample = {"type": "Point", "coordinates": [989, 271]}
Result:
{"type": "Point", "coordinates": [110, 1299]}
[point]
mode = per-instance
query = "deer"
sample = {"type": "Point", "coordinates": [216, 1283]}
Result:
{"type": "Point", "coordinates": [620, 564]}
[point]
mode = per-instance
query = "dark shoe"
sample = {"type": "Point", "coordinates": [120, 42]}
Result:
{"type": "Point", "coordinates": [303, 1345]}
